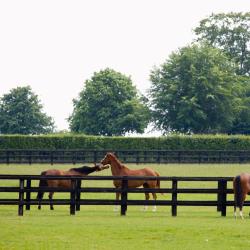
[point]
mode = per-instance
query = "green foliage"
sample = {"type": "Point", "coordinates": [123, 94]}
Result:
{"type": "Point", "coordinates": [174, 142]}
{"type": "Point", "coordinates": [195, 91]}
{"type": "Point", "coordinates": [241, 123]}
{"type": "Point", "coordinates": [231, 33]}
{"type": "Point", "coordinates": [21, 113]}
{"type": "Point", "coordinates": [109, 105]}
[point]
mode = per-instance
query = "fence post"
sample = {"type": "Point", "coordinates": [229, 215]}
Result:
{"type": "Point", "coordinates": [219, 196]}
{"type": "Point", "coordinates": [158, 157]}
{"type": "Point", "coordinates": [174, 197]}
{"type": "Point", "coordinates": [137, 157]}
{"type": "Point", "coordinates": [74, 157]}
{"type": "Point", "coordinates": [95, 156]}
{"type": "Point", "coordinates": [7, 157]}
{"type": "Point", "coordinates": [51, 158]}
{"type": "Point", "coordinates": [28, 186]}
{"type": "Point", "coordinates": [78, 194]}
{"type": "Point", "coordinates": [224, 198]}
{"type": "Point", "coordinates": [30, 157]}
{"type": "Point", "coordinates": [73, 197]}
{"type": "Point", "coordinates": [124, 196]}
{"type": "Point", "coordinates": [21, 197]}
{"type": "Point", "coordinates": [199, 155]}
{"type": "Point", "coordinates": [145, 157]}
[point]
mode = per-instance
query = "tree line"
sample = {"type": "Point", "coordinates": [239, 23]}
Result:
{"type": "Point", "coordinates": [200, 88]}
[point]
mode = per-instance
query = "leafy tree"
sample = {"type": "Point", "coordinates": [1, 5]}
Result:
{"type": "Point", "coordinates": [21, 113]}
{"type": "Point", "coordinates": [195, 91]}
{"type": "Point", "coordinates": [231, 33]}
{"type": "Point", "coordinates": [241, 123]}
{"type": "Point", "coordinates": [109, 105]}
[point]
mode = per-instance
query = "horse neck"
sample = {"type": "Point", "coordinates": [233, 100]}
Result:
{"type": "Point", "coordinates": [90, 170]}
{"type": "Point", "coordinates": [116, 167]}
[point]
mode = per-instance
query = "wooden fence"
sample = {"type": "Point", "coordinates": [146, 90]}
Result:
{"type": "Point", "coordinates": [128, 156]}
{"type": "Point", "coordinates": [77, 189]}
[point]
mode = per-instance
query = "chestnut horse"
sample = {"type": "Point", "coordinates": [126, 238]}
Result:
{"type": "Point", "coordinates": [118, 169]}
{"type": "Point", "coordinates": [241, 187]}
{"type": "Point", "coordinates": [82, 171]}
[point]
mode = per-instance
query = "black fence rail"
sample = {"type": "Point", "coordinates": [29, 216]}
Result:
{"type": "Point", "coordinates": [128, 156]}
{"type": "Point", "coordinates": [77, 190]}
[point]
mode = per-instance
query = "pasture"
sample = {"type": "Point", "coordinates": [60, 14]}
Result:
{"type": "Point", "coordinates": [98, 227]}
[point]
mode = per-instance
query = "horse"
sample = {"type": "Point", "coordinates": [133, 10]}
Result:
{"type": "Point", "coordinates": [118, 169]}
{"type": "Point", "coordinates": [241, 187]}
{"type": "Point", "coordinates": [81, 171]}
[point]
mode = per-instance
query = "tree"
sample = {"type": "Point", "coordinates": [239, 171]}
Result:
{"type": "Point", "coordinates": [109, 105]}
{"type": "Point", "coordinates": [241, 123]}
{"type": "Point", "coordinates": [21, 113]}
{"type": "Point", "coordinates": [231, 33]}
{"type": "Point", "coordinates": [195, 91]}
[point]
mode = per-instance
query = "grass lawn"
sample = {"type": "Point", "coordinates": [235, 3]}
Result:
{"type": "Point", "coordinates": [98, 227]}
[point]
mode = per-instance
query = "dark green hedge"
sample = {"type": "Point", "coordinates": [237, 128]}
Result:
{"type": "Point", "coordinates": [174, 142]}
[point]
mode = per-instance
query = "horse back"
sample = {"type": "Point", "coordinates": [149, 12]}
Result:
{"type": "Point", "coordinates": [53, 172]}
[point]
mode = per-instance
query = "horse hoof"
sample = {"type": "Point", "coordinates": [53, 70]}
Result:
{"type": "Point", "coordinates": [39, 207]}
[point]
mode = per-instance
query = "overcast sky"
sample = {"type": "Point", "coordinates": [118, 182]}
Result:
{"type": "Point", "coordinates": [54, 46]}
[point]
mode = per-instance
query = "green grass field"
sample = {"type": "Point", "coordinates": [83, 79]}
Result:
{"type": "Point", "coordinates": [98, 227]}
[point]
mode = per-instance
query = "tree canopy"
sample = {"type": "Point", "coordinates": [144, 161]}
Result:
{"type": "Point", "coordinates": [229, 32]}
{"type": "Point", "coordinates": [21, 113]}
{"type": "Point", "coordinates": [195, 91]}
{"type": "Point", "coordinates": [241, 123]}
{"type": "Point", "coordinates": [109, 105]}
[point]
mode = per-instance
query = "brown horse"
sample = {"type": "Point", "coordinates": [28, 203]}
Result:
{"type": "Point", "coordinates": [241, 187]}
{"type": "Point", "coordinates": [118, 169]}
{"type": "Point", "coordinates": [82, 171]}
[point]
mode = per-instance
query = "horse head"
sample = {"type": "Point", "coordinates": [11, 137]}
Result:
{"type": "Point", "coordinates": [108, 158]}
{"type": "Point", "coordinates": [100, 166]}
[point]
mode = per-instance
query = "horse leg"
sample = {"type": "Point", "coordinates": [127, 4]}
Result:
{"type": "Point", "coordinates": [116, 208]}
{"type": "Point", "coordinates": [39, 197]}
{"type": "Point", "coordinates": [241, 205]}
{"type": "Point", "coordinates": [42, 183]}
{"type": "Point", "coordinates": [235, 212]}
{"type": "Point", "coordinates": [241, 213]}
{"type": "Point", "coordinates": [145, 208]}
{"type": "Point", "coordinates": [154, 197]}
{"type": "Point", "coordinates": [50, 200]}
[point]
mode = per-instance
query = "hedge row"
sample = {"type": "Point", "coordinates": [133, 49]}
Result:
{"type": "Point", "coordinates": [174, 142]}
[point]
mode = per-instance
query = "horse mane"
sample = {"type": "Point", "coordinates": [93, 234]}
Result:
{"type": "Point", "coordinates": [119, 164]}
{"type": "Point", "coordinates": [84, 169]}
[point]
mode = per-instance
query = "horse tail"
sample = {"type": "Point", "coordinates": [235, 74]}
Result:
{"type": "Point", "coordinates": [42, 183]}
{"type": "Point", "coordinates": [237, 192]}
{"type": "Point", "coordinates": [158, 183]}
